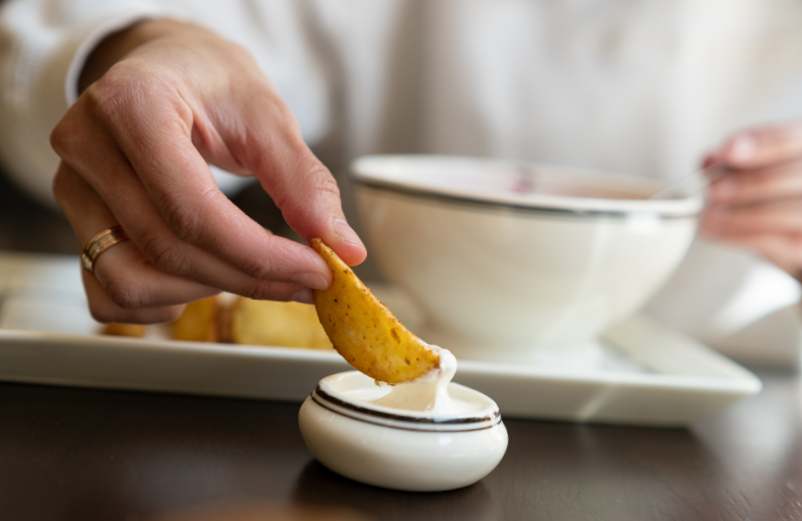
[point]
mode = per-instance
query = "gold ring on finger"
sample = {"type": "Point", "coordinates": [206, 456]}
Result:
{"type": "Point", "coordinates": [98, 244]}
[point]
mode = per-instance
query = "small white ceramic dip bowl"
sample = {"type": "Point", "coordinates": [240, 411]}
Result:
{"type": "Point", "coordinates": [400, 449]}
{"type": "Point", "coordinates": [515, 256]}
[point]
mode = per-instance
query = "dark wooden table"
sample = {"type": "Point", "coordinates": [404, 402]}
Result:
{"type": "Point", "coordinates": [76, 454]}
{"type": "Point", "coordinates": [99, 455]}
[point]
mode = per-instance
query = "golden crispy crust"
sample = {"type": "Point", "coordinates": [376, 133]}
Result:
{"type": "Point", "coordinates": [198, 322]}
{"type": "Point", "coordinates": [284, 324]}
{"type": "Point", "coordinates": [364, 331]}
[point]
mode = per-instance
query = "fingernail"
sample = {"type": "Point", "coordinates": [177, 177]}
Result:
{"type": "Point", "coordinates": [303, 295]}
{"type": "Point", "coordinates": [346, 234]}
{"type": "Point", "coordinates": [743, 148]}
{"type": "Point", "coordinates": [312, 280]}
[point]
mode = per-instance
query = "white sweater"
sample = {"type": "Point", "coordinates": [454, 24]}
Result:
{"type": "Point", "coordinates": [639, 87]}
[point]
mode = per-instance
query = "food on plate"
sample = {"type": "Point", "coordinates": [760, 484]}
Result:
{"type": "Point", "coordinates": [265, 322]}
{"type": "Point", "coordinates": [201, 321]}
{"type": "Point", "coordinates": [364, 331]}
{"type": "Point", "coordinates": [254, 322]}
{"type": "Point", "coordinates": [119, 329]}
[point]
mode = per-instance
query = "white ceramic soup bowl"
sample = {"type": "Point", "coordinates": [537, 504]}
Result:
{"type": "Point", "coordinates": [510, 256]}
{"type": "Point", "coordinates": [399, 449]}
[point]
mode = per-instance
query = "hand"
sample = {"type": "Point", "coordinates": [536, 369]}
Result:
{"type": "Point", "coordinates": [164, 98]}
{"type": "Point", "coordinates": [755, 201]}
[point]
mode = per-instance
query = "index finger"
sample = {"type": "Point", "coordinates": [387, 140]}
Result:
{"type": "Point", "coordinates": [159, 146]}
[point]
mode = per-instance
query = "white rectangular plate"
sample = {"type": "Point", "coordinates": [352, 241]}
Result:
{"type": "Point", "coordinates": [645, 373]}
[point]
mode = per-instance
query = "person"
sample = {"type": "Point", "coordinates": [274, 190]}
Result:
{"type": "Point", "coordinates": [158, 91]}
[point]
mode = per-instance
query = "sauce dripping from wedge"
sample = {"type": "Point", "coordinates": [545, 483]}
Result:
{"type": "Point", "coordinates": [429, 392]}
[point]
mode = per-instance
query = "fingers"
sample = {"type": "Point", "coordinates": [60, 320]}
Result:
{"type": "Point", "coordinates": [772, 230]}
{"type": "Point", "coordinates": [302, 187]}
{"type": "Point", "coordinates": [740, 187]}
{"type": "Point", "coordinates": [105, 310]}
{"type": "Point", "coordinates": [111, 176]}
{"type": "Point", "coordinates": [783, 217]}
{"type": "Point", "coordinates": [156, 138]}
{"type": "Point", "coordinates": [757, 203]}
{"type": "Point", "coordinates": [758, 147]}
{"type": "Point", "coordinates": [124, 288]}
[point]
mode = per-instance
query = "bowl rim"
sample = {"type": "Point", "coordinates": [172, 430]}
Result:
{"type": "Point", "coordinates": [370, 171]}
{"type": "Point", "coordinates": [328, 397]}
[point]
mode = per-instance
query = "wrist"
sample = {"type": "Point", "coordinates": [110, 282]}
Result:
{"type": "Point", "coordinates": [120, 44]}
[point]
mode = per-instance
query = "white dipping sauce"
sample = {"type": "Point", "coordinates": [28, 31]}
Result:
{"type": "Point", "coordinates": [429, 393]}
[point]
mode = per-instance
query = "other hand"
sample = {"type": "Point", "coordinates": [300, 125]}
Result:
{"type": "Point", "coordinates": [755, 199]}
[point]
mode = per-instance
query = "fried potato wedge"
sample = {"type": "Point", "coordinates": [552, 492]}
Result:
{"type": "Point", "coordinates": [200, 321]}
{"type": "Point", "coordinates": [119, 329]}
{"type": "Point", "coordinates": [286, 324]}
{"type": "Point", "coordinates": [364, 331]}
